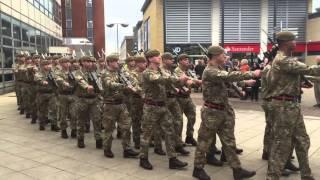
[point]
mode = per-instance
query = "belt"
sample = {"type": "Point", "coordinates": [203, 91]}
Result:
{"type": "Point", "coordinates": [170, 95]}
{"type": "Point", "coordinates": [214, 106]}
{"type": "Point", "coordinates": [113, 102]}
{"type": "Point", "coordinates": [136, 96]}
{"type": "Point", "coordinates": [87, 97]}
{"type": "Point", "coordinates": [183, 95]}
{"type": "Point", "coordinates": [154, 103]}
{"type": "Point", "coordinates": [285, 98]}
{"type": "Point", "coordinates": [66, 93]}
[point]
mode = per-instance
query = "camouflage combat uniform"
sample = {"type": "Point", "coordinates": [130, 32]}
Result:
{"type": "Point", "coordinates": [217, 115]}
{"type": "Point", "coordinates": [288, 127]}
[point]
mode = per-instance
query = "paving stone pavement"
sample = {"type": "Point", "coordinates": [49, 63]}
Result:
{"type": "Point", "coordinates": [26, 153]}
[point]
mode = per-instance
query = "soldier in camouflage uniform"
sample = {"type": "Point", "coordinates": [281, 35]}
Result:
{"type": "Point", "coordinates": [288, 127]}
{"type": "Point", "coordinates": [25, 85]}
{"type": "Point", "coordinates": [87, 104]}
{"type": "Point", "coordinates": [32, 88]}
{"type": "Point", "coordinates": [44, 92]}
{"type": "Point", "coordinates": [66, 82]}
{"type": "Point", "coordinates": [18, 80]}
{"type": "Point", "coordinates": [217, 114]}
{"type": "Point", "coordinates": [115, 109]}
{"type": "Point", "coordinates": [184, 99]}
{"type": "Point", "coordinates": [155, 110]}
{"type": "Point", "coordinates": [136, 99]}
{"type": "Point", "coordinates": [21, 82]}
{"type": "Point", "coordinates": [173, 105]}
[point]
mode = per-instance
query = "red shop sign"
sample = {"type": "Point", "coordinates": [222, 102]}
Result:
{"type": "Point", "coordinates": [242, 48]}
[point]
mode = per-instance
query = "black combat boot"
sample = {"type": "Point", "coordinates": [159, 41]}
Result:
{"type": "Point", "coordinates": [64, 134]}
{"type": "Point", "coordinates": [290, 166]}
{"type": "Point", "coordinates": [212, 160]}
{"type": "Point", "coordinates": [28, 115]}
{"type": "Point", "coordinates": [108, 153]}
{"type": "Point", "coordinates": [81, 143]}
{"type": "Point", "coordinates": [159, 151]}
{"type": "Point", "coordinates": [239, 173]}
{"type": "Point", "coordinates": [42, 128]}
{"type": "Point", "coordinates": [33, 120]}
{"type": "Point", "coordinates": [191, 140]}
{"type": "Point", "coordinates": [145, 164]}
{"type": "Point", "coordinates": [182, 151]}
{"type": "Point", "coordinates": [99, 144]}
{"type": "Point", "coordinates": [129, 153]}
{"type": "Point", "coordinates": [87, 128]}
{"type": "Point", "coordinates": [73, 133]}
{"type": "Point", "coordinates": [175, 163]}
{"type": "Point", "coordinates": [239, 151]}
{"type": "Point", "coordinates": [201, 174]}
{"type": "Point", "coordinates": [216, 150]}
{"type": "Point", "coordinates": [21, 111]}
{"type": "Point", "coordinates": [265, 156]}
{"type": "Point", "coordinates": [55, 128]}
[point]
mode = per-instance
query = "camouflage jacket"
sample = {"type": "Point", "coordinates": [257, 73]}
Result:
{"type": "Point", "coordinates": [81, 84]}
{"type": "Point", "coordinates": [214, 83]}
{"type": "Point", "coordinates": [264, 80]}
{"type": "Point", "coordinates": [39, 78]}
{"type": "Point", "coordinates": [178, 72]}
{"type": "Point", "coordinates": [171, 88]}
{"type": "Point", "coordinates": [63, 77]}
{"type": "Point", "coordinates": [137, 82]}
{"type": "Point", "coordinates": [154, 84]}
{"type": "Point", "coordinates": [113, 88]}
{"type": "Point", "coordinates": [30, 73]}
{"type": "Point", "coordinates": [285, 75]}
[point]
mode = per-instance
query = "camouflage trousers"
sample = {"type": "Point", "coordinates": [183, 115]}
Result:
{"type": "Point", "coordinates": [219, 122]}
{"type": "Point", "coordinates": [111, 115]}
{"type": "Point", "coordinates": [43, 101]}
{"type": "Point", "coordinates": [267, 107]}
{"type": "Point", "coordinates": [88, 108]}
{"type": "Point", "coordinates": [53, 110]}
{"type": "Point", "coordinates": [136, 116]}
{"type": "Point", "coordinates": [189, 109]}
{"type": "Point", "coordinates": [177, 124]}
{"type": "Point", "coordinates": [29, 99]}
{"type": "Point", "coordinates": [288, 130]}
{"type": "Point", "coordinates": [18, 90]}
{"type": "Point", "coordinates": [157, 117]}
{"type": "Point", "coordinates": [64, 110]}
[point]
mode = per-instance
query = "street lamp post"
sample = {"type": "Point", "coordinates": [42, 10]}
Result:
{"type": "Point", "coordinates": [117, 25]}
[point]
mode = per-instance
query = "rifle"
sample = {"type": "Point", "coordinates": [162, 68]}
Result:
{"type": "Point", "coordinates": [271, 54]}
{"type": "Point", "coordinates": [234, 87]}
{"type": "Point", "coordinates": [51, 79]}
{"type": "Point", "coordinates": [95, 82]}
{"type": "Point", "coordinates": [124, 78]}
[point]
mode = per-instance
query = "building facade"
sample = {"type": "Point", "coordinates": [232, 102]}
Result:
{"type": "Point", "coordinates": [26, 25]}
{"type": "Point", "coordinates": [84, 19]}
{"type": "Point", "coordinates": [126, 48]}
{"type": "Point", "coordinates": [243, 26]}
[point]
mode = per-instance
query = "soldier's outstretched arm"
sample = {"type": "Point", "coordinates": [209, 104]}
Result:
{"type": "Point", "coordinates": [225, 76]}
{"type": "Point", "coordinates": [292, 65]}
{"type": "Point", "coordinates": [109, 83]}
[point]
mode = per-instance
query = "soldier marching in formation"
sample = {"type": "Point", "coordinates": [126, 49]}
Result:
{"type": "Point", "coordinates": [148, 97]}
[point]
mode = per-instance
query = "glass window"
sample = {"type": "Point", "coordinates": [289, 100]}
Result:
{"type": "Point", "coordinates": [8, 57]}
{"type": "Point", "coordinates": [7, 41]}
{"type": "Point", "coordinates": [89, 3]}
{"type": "Point", "coordinates": [16, 32]}
{"type": "Point", "coordinates": [68, 13]}
{"type": "Point", "coordinates": [25, 36]}
{"type": "Point", "coordinates": [89, 13]}
{"type": "Point", "coordinates": [68, 23]}
{"type": "Point", "coordinates": [90, 24]}
{"type": "Point", "coordinates": [315, 5]}
{"type": "Point", "coordinates": [25, 44]}
{"type": "Point", "coordinates": [36, 3]}
{"type": "Point", "coordinates": [6, 27]}
{"type": "Point", "coordinates": [50, 7]}
{"type": "Point", "coordinates": [32, 35]}
{"type": "Point", "coordinates": [17, 43]}
{"type": "Point", "coordinates": [8, 77]}
{"type": "Point", "coordinates": [38, 38]}
{"type": "Point", "coordinates": [68, 32]}
{"type": "Point", "coordinates": [90, 32]}
{"type": "Point", "coordinates": [68, 3]}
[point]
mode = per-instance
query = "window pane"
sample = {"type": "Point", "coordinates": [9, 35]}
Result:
{"type": "Point", "coordinates": [38, 38]}
{"type": "Point", "coordinates": [7, 41]}
{"type": "Point", "coordinates": [69, 24]}
{"type": "Point", "coordinates": [16, 32]}
{"type": "Point", "coordinates": [6, 28]}
{"type": "Point", "coordinates": [8, 57]}
{"type": "Point", "coordinates": [89, 13]}
{"type": "Point", "coordinates": [25, 34]}
{"type": "Point", "coordinates": [8, 77]}
{"type": "Point", "coordinates": [90, 24]}
{"type": "Point", "coordinates": [25, 44]}
{"type": "Point", "coordinates": [32, 34]}
{"type": "Point", "coordinates": [17, 44]}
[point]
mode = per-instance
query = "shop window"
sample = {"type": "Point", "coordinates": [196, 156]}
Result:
{"type": "Point", "coordinates": [7, 41]}
{"type": "Point", "coordinates": [16, 32]}
{"type": "Point", "coordinates": [25, 35]}
{"type": "Point", "coordinates": [17, 43]}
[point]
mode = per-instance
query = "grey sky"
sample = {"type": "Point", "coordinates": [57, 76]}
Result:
{"type": "Point", "coordinates": [123, 11]}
